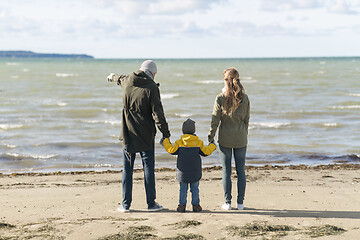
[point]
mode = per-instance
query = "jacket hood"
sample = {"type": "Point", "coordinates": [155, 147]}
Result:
{"type": "Point", "coordinates": [189, 140]}
{"type": "Point", "coordinates": [141, 78]}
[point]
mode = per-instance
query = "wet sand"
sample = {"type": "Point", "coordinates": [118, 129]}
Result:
{"type": "Point", "coordinates": [294, 202]}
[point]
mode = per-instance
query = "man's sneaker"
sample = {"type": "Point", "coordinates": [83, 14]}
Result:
{"type": "Point", "coordinates": [156, 207]}
{"type": "Point", "coordinates": [197, 208]}
{"type": "Point", "coordinates": [226, 206]}
{"type": "Point", "coordinates": [121, 208]}
{"type": "Point", "coordinates": [240, 206]}
{"type": "Point", "coordinates": [181, 208]}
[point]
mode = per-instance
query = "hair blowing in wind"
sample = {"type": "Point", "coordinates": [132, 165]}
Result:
{"type": "Point", "coordinates": [234, 90]}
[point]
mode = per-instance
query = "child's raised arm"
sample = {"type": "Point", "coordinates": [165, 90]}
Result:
{"type": "Point", "coordinates": [206, 151]}
{"type": "Point", "coordinates": [172, 149]}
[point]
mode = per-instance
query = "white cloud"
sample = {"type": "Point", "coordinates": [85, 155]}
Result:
{"type": "Point", "coordinates": [284, 5]}
{"type": "Point", "coordinates": [342, 6]}
{"type": "Point", "coordinates": [113, 25]}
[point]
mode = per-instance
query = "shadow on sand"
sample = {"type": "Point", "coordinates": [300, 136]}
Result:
{"type": "Point", "coordinates": [277, 213]}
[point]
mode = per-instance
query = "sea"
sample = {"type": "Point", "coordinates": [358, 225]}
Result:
{"type": "Point", "coordinates": [59, 114]}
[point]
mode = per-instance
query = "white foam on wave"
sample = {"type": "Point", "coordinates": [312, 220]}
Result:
{"type": "Point", "coordinates": [50, 102]}
{"type": "Point", "coordinates": [249, 81]}
{"type": "Point", "coordinates": [102, 121]}
{"type": "Point", "coordinates": [10, 126]}
{"type": "Point", "coordinates": [12, 63]}
{"type": "Point", "coordinates": [169, 95]}
{"type": "Point", "coordinates": [179, 74]}
{"type": "Point", "coordinates": [62, 104]}
{"type": "Point", "coordinates": [322, 63]}
{"type": "Point", "coordinates": [331, 124]}
{"type": "Point", "coordinates": [210, 81]}
{"type": "Point", "coordinates": [10, 146]}
{"type": "Point", "coordinates": [34, 156]}
{"type": "Point", "coordinates": [347, 107]}
{"type": "Point", "coordinates": [354, 94]}
{"type": "Point", "coordinates": [15, 76]}
{"type": "Point", "coordinates": [269, 124]}
{"type": "Point", "coordinates": [67, 74]}
{"type": "Point", "coordinates": [25, 70]}
{"type": "Point", "coordinates": [183, 115]}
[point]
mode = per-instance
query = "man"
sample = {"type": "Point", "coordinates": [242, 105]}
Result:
{"type": "Point", "coordinates": [142, 110]}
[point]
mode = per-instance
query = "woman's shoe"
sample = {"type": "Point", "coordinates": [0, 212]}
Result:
{"type": "Point", "coordinates": [226, 206]}
{"type": "Point", "coordinates": [240, 206]}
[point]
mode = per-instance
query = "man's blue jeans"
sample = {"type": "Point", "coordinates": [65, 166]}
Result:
{"type": "Point", "coordinates": [225, 157]}
{"type": "Point", "coordinates": [194, 189]}
{"type": "Point", "coordinates": [148, 161]}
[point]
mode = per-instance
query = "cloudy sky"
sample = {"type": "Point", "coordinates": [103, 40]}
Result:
{"type": "Point", "coordinates": [182, 28]}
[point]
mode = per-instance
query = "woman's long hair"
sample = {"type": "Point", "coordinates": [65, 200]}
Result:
{"type": "Point", "coordinates": [234, 90]}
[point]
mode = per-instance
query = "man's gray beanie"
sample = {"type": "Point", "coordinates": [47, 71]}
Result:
{"type": "Point", "coordinates": [188, 126]}
{"type": "Point", "coordinates": [149, 65]}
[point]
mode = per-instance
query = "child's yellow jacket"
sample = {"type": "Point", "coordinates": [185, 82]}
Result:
{"type": "Point", "coordinates": [188, 148]}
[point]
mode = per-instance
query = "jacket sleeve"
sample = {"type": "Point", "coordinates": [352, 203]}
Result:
{"type": "Point", "coordinates": [158, 112]}
{"type": "Point", "coordinates": [247, 116]}
{"type": "Point", "coordinates": [206, 151]}
{"type": "Point", "coordinates": [172, 149]}
{"type": "Point", "coordinates": [119, 79]}
{"type": "Point", "coordinates": [215, 120]}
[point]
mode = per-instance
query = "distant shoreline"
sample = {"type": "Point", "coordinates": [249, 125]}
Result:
{"type": "Point", "coordinates": [30, 54]}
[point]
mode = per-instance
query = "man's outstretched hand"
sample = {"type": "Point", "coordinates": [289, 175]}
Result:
{"type": "Point", "coordinates": [110, 78]}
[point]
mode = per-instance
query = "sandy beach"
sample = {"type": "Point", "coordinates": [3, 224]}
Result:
{"type": "Point", "coordinates": [294, 202]}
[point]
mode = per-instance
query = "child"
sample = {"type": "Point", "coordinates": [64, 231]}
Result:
{"type": "Point", "coordinates": [188, 148]}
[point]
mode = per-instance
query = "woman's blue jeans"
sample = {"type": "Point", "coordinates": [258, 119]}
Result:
{"type": "Point", "coordinates": [148, 161]}
{"type": "Point", "coordinates": [225, 157]}
{"type": "Point", "coordinates": [194, 189]}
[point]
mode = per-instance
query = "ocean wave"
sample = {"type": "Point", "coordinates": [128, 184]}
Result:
{"type": "Point", "coordinates": [10, 146]}
{"type": "Point", "coordinates": [50, 102]}
{"type": "Point", "coordinates": [354, 94]}
{"type": "Point", "coordinates": [183, 115]}
{"type": "Point", "coordinates": [12, 63]}
{"type": "Point", "coordinates": [67, 74]}
{"type": "Point", "coordinates": [346, 107]}
{"type": "Point", "coordinates": [10, 126]}
{"type": "Point", "coordinates": [331, 124]}
{"type": "Point", "coordinates": [249, 81]}
{"type": "Point", "coordinates": [17, 156]}
{"type": "Point", "coordinates": [210, 81]}
{"type": "Point", "coordinates": [113, 122]}
{"type": "Point", "coordinates": [169, 95]}
{"type": "Point", "coordinates": [269, 124]}
{"type": "Point", "coordinates": [179, 74]}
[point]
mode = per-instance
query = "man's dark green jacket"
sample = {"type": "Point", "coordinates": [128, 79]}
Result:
{"type": "Point", "coordinates": [142, 110]}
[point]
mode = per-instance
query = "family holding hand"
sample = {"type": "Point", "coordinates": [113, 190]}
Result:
{"type": "Point", "coordinates": [143, 110]}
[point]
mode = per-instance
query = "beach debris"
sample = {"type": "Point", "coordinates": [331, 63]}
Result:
{"type": "Point", "coordinates": [185, 224]}
{"type": "Point", "coordinates": [134, 233]}
{"type": "Point", "coordinates": [186, 237]}
{"type": "Point", "coordinates": [260, 228]}
{"type": "Point", "coordinates": [6, 225]}
{"type": "Point", "coordinates": [325, 230]}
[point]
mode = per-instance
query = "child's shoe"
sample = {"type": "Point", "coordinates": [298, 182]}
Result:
{"type": "Point", "coordinates": [181, 208]}
{"type": "Point", "coordinates": [197, 208]}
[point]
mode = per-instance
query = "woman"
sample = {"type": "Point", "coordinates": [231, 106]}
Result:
{"type": "Point", "coordinates": [232, 112]}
